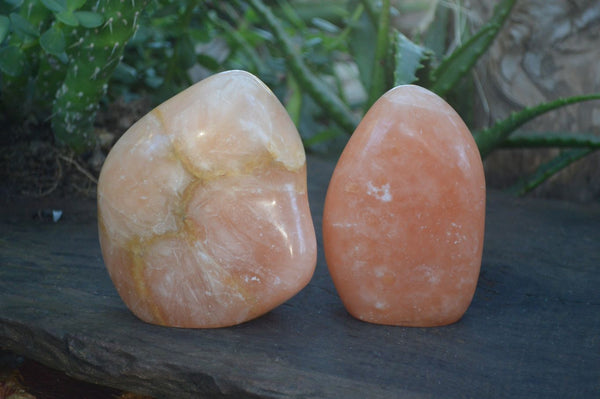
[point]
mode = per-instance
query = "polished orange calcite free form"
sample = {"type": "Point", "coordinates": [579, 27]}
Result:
{"type": "Point", "coordinates": [203, 210]}
{"type": "Point", "coordinates": [404, 214]}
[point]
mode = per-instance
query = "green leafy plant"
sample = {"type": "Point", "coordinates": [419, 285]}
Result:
{"type": "Point", "coordinates": [395, 60]}
{"type": "Point", "coordinates": [60, 59]}
{"type": "Point", "coordinates": [56, 58]}
{"type": "Point", "coordinates": [158, 58]}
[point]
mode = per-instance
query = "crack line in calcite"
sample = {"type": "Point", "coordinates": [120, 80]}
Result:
{"type": "Point", "coordinates": [137, 273]}
{"type": "Point", "coordinates": [203, 208]}
{"type": "Point", "coordinates": [214, 276]}
{"type": "Point", "coordinates": [189, 232]}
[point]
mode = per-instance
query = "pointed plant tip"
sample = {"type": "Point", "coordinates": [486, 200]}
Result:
{"type": "Point", "coordinates": [496, 135]}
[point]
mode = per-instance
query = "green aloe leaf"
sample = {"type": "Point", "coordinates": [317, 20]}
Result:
{"type": "Point", "coordinates": [409, 58]}
{"type": "Point", "coordinates": [460, 62]}
{"type": "Point", "coordinates": [53, 41]}
{"type": "Point", "coordinates": [330, 10]}
{"type": "Point", "coordinates": [291, 15]}
{"type": "Point", "coordinates": [186, 55]}
{"type": "Point", "coordinates": [325, 25]}
{"type": "Point", "coordinates": [321, 137]}
{"type": "Point", "coordinates": [381, 51]}
{"type": "Point", "coordinates": [369, 6]}
{"type": "Point", "coordinates": [314, 86]}
{"type": "Point", "coordinates": [89, 19]}
{"type": "Point", "coordinates": [549, 169]}
{"type": "Point", "coordinates": [489, 139]}
{"type": "Point", "coordinates": [237, 39]}
{"type": "Point", "coordinates": [551, 139]}
{"type": "Point", "coordinates": [436, 36]}
{"type": "Point", "coordinates": [208, 62]}
{"type": "Point", "coordinates": [361, 37]}
{"type": "Point", "coordinates": [12, 60]}
{"type": "Point", "coordinates": [293, 104]}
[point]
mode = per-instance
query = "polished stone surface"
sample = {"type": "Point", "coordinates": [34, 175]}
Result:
{"type": "Point", "coordinates": [404, 214]}
{"type": "Point", "coordinates": [203, 210]}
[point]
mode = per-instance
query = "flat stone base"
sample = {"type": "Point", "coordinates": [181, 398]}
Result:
{"type": "Point", "coordinates": [532, 329]}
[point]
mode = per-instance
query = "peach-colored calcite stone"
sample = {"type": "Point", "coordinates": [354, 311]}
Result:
{"type": "Point", "coordinates": [203, 210]}
{"type": "Point", "coordinates": [404, 214]}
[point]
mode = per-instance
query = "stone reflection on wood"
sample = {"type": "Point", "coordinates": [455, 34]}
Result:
{"type": "Point", "coordinates": [404, 214]}
{"type": "Point", "coordinates": [203, 210]}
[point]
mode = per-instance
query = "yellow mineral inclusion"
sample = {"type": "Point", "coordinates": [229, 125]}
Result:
{"type": "Point", "coordinates": [203, 210]}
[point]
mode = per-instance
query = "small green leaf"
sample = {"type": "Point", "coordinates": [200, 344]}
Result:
{"type": "Point", "coordinates": [313, 42]}
{"type": "Point", "coordinates": [73, 5]}
{"type": "Point", "coordinates": [125, 73]}
{"type": "Point", "coordinates": [14, 3]}
{"type": "Point", "coordinates": [152, 80]}
{"type": "Point", "coordinates": [68, 18]}
{"type": "Point", "coordinates": [89, 19]}
{"type": "Point", "coordinates": [409, 58]}
{"type": "Point", "coordinates": [4, 27]}
{"type": "Point", "coordinates": [12, 60]}
{"type": "Point", "coordinates": [53, 41]}
{"type": "Point", "coordinates": [63, 58]}
{"type": "Point", "coordinates": [22, 26]}
{"type": "Point", "coordinates": [55, 5]}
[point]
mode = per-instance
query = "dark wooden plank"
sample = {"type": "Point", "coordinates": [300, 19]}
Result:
{"type": "Point", "coordinates": [532, 331]}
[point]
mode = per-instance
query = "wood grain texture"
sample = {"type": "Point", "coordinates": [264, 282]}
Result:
{"type": "Point", "coordinates": [531, 331]}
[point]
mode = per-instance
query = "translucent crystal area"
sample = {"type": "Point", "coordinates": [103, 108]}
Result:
{"type": "Point", "coordinates": [404, 214]}
{"type": "Point", "coordinates": [203, 211]}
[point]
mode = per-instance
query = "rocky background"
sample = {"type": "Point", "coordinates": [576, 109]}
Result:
{"type": "Point", "coordinates": [548, 49]}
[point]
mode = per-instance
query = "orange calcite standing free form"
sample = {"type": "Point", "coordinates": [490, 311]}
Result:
{"type": "Point", "coordinates": [404, 214]}
{"type": "Point", "coordinates": [203, 210]}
